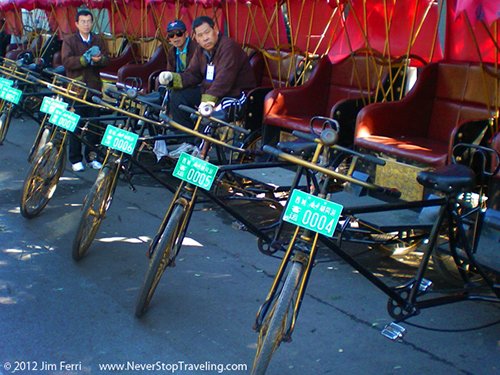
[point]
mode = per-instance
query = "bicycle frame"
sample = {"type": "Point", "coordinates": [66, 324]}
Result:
{"type": "Point", "coordinates": [186, 194]}
{"type": "Point", "coordinates": [404, 301]}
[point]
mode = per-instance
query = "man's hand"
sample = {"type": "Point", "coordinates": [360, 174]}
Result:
{"type": "Point", "coordinates": [96, 59]}
{"type": "Point", "coordinates": [206, 108]}
{"type": "Point", "coordinates": [92, 55]}
{"type": "Point", "coordinates": [165, 77]}
{"type": "Point", "coordinates": [87, 57]}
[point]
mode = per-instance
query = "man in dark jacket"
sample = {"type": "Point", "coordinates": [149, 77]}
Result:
{"type": "Point", "coordinates": [219, 66]}
{"type": "Point", "coordinates": [4, 38]}
{"type": "Point", "coordinates": [83, 55]}
{"type": "Point", "coordinates": [183, 47]}
{"type": "Point", "coordinates": [178, 58]}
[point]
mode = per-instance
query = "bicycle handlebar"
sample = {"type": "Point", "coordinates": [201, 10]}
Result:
{"type": "Point", "coordinates": [170, 122]}
{"type": "Point", "coordinates": [489, 157]}
{"type": "Point", "coordinates": [326, 142]}
{"type": "Point", "coordinates": [306, 136]}
{"type": "Point", "coordinates": [98, 100]}
{"type": "Point", "coordinates": [211, 118]}
{"type": "Point", "coordinates": [111, 92]}
{"type": "Point", "coordinates": [293, 159]}
{"type": "Point", "coordinates": [366, 157]}
{"type": "Point", "coordinates": [148, 103]}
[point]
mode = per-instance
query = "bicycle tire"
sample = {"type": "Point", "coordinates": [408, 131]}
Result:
{"type": "Point", "coordinates": [41, 180]}
{"type": "Point", "coordinates": [448, 269]}
{"type": "Point", "coordinates": [162, 257]}
{"type": "Point", "coordinates": [445, 264]}
{"type": "Point", "coordinates": [4, 124]}
{"type": "Point", "coordinates": [40, 141]}
{"type": "Point", "coordinates": [272, 331]}
{"type": "Point", "coordinates": [97, 203]}
{"type": "Point", "coordinates": [253, 142]}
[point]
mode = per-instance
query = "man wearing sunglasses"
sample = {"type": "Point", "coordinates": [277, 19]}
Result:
{"type": "Point", "coordinates": [183, 47]}
{"type": "Point", "coordinates": [178, 58]}
{"type": "Point", "coordinates": [219, 66]}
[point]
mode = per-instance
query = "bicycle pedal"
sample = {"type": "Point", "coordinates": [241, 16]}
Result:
{"type": "Point", "coordinates": [425, 285]}
{"type": "Point", "coordinates": [394, 331]}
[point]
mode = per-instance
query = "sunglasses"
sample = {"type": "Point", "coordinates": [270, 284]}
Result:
{"type": "Point", "coordinates": [175, 33]}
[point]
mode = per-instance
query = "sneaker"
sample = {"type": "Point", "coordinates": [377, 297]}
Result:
{"type": "Point", "coordinates": [94, 164]}
{"type": "Point", "coordinates": [185, 147]}
{"type": "Point", "coordinates": [78, 167]}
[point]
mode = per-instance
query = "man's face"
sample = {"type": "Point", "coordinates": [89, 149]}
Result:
{"type": "Point", "coordinates": [84, 24]}
{"type": "Point", "coordinates": [177, 38]}
{"type": "Point", "coordinates": [206, 36]}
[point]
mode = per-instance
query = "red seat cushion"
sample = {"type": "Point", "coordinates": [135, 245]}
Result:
{"type": "Point", "coordinates": [421, 150]}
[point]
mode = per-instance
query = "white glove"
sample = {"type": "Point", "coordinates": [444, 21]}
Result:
{"type": "Point", "coordinates": [165, 77]}
{"type": "Point", "coordinates": [206, 108]}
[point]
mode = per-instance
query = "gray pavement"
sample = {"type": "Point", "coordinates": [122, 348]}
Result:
{"type": "Point", "coordinates": [55, 313]}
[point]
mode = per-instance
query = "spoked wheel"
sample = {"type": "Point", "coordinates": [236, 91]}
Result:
{"type": "Point", "coordinates": [96, 204]}
{"type": "Point", "coordinates": [251, 142]}
{"type": "Point", "coordinates": [277, 321]}
{"type": "Point", "coordinates": [41, 181]}
{"type": "Point", "coordinates": [4, 124]}
{"type": "Point", "coordinates": [41, 140]}
{"type": "Point", "coordinates": [164, 250]}
{"type": "Point", "coordinates": [445, 263]}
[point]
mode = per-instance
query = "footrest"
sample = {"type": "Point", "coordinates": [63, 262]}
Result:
{"type": "Point", "coordinates": [394, 331]}
{"type": "Point", "coordinates": [276, 178]}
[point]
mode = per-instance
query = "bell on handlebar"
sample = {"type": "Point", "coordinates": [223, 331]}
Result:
{"type": "Point", "coordinates": [329, 137]}
{"type": "Point", "coordinates": [131, 93]}
{"type": "Point", "coordinates": [206, 110]}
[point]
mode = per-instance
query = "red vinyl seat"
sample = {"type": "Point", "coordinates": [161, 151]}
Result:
{"type": "Point", "coordinates": [450, 103]}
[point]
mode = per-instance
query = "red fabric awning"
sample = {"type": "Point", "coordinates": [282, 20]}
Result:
{"type": "Point", "coordinates": [314, 24]}
{"type": "Point", "coordinates": [259, 23]}
{"type": "Point", "coordinates": [479, 10]}
{"type": "Point", "coordinates": [470, 40]}
{"type": "Point", "coordinates": [398, 29]}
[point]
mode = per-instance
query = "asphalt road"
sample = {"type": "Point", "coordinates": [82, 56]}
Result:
{"type": "Point", "coordinates": [62, 317]}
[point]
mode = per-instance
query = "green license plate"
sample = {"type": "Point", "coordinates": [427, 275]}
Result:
{"type": "Point", "coordinates": [195, 171]}
{"type": "Point", "coordinates": [6, 82]}
{"type": "Point", "coordinates": [10, 94]}
{"type": "Point", "coordinates": [50, 104]}
{"type": "Point", "coordinates": [119, 139]}
{"type": "Point", "coordinates": [313, 213]}
{"type": "Point", "coordinates": [64, 119]}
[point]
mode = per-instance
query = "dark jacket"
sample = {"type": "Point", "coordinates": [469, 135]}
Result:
{"type": "Point", "coordinates": [171, 57]}
{"type": "Point", "coordinates": [233, 73]}
{"type": "Point", "coordinates": [72, 51]}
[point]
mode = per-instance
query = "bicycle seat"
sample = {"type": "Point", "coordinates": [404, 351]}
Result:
{"type": "Point", "coordinates": [302, 148]}
{"type": "Point", "coordinates": [452, 178]}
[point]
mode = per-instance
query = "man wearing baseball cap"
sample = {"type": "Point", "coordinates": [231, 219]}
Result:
{"type": "Point", "coordinates": [178, 58]}
{"type": "Point", "coordinates": [183, 47]}
{"type": "Point", "coordinates": [219, 67]}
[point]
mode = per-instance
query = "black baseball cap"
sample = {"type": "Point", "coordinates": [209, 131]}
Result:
{"type": "Point", "coordinates": [176, 25]}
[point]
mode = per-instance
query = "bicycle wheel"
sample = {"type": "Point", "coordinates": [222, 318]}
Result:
{"type": "Point", "coordinates": [96, 204]}
{"type": "Point", "coordinates": [162, 257]}
{"type": "Point", "coordinates": [275, 325]}
{"type": "Point", "coordinates": [4, 124]}
{"type": "Point", "coordinates": [40, 141]}
{"type": "Point", "coordinates": [253, 144]}
{"type": "Point", "coordinates": [41, 181]}
{"type": "Point", "coordinates": [445, 264]}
